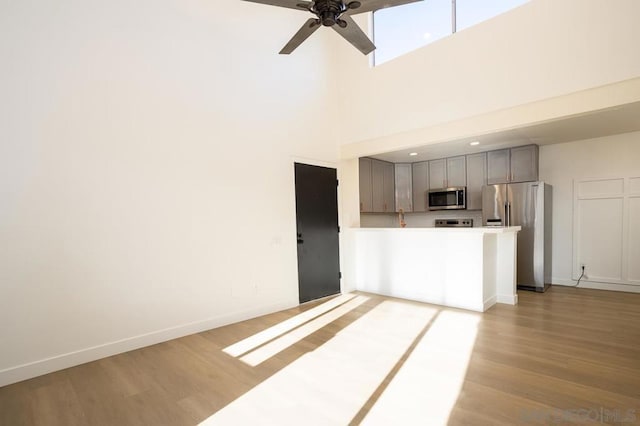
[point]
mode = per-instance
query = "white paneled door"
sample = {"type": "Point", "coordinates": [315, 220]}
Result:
{"type": "Point", "coordinates": [607, 230]}
{"type": "Point", "coordinates": [633, 236]}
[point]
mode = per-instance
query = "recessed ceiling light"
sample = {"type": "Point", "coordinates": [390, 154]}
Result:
{"type": "Point", "coordinates": [413, 154]}
{"type": "Point", "coordinates": [474, 143]}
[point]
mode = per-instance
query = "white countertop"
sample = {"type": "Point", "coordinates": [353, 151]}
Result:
{"type": "Point", "coordinates": [478, 230]}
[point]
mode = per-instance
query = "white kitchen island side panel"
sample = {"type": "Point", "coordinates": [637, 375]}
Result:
{"type": "Point", "coordinates": [463, 268]}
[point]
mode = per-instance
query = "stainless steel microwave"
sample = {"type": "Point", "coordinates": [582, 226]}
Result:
{"type": "Point", "coordinates": [447, 198]}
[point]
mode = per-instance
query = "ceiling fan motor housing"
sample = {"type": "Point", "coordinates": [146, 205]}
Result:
{"type": "Point", "coordinates": [329, 11]}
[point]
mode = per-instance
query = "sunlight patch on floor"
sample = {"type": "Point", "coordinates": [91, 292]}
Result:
{"type": "Point", "coordinates": [332, 383]}
{"type": "Point", "coordinates": [427, 386]}
{"type": "Point", "coordinates": [274, 347]}
{"type": "Point", "coordinates": [270, 333]}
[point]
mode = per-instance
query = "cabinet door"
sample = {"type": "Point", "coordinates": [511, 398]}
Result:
{"type": "Point", "coordinates": [498, 169]}
{"type": "Point", "coordinates": [524, 163]}
{"type": "Point", "coordinates": [404, 192]}
{"type": "Point", "coordinates": [476, 179]}
{"type": "Point", "coordinates": [366, 199]}
{"type": "Point", "coordinates": [377, 186]}
{"type": "Point", "coordinates": [438, 174]}
{"type": "Point", "coordinates": [388, 189]}
{"type": "Point", "coordinates": [420, 178]}
{"type": "Point", "coordinates": [456, 171]}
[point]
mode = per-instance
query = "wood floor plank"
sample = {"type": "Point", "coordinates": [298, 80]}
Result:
{"type": "Point", "coordinates": [57, 405]}
{"type": "Point", "coordinates": [15, 405]}
{"type": "Point", "coordinates": [480, 404]}
{"type": "Point", "coordinates": [566, 349]}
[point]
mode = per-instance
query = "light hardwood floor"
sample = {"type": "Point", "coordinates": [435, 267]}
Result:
{"type": "Point", "coordinates": [567, 349]}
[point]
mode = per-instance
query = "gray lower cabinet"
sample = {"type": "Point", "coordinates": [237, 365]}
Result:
{"type": "Point", "coordinates": [476, 179]}
{"type": "Point", "coordinates": [403, 188]}
{"type": "Point", "coordinates": [377, 186]}
{"type": "Point", "coordinates": [420, 183]}
{"type": "Point", "coordinates": [518, 164]}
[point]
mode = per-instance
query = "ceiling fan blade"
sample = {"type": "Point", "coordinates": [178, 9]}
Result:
{"type": "Point", "coordinates": [291, 4]}
{"type": "Point", "coordinates": [373, 5]}
{"type": "Point", "coordinates": [354, 35]}
{"type": "Point", "coordinates": [303, 33]}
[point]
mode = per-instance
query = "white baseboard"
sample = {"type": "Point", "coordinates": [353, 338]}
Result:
{"type": "Point", "coordinates": [71, 359]}
{"type": "Point", "coordinates": [508, 299]}
{"type": "Point", "coordinates": [628, 288]}
{"type": "Point", "coordinates": [489, 303]}
{"type": "Point", "coordinates": [347, 287]}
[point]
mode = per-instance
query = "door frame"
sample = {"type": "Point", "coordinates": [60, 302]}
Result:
{"type": "Point", "coordinates": [329, 165]}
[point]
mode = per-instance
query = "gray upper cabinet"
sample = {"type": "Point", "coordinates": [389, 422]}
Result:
{"type": "Point", "coordinates": [366, 193]}
{"type": "Point", "coordinates": [518, 164]}
{"type": "Point", "coordinates": [498, 168]}
{"type": "Point", "coordinates": [420, 178]}
{"type": "Point", "coordinates": [377, 186]}
{"type": "Point", "coordinates": [524, 163]}
{"type": "Point", "coordinates": [388, 188]}
{"type": "Point", "coordinates": [447, 172]}
{"type": "Point", "coordinates": [456, 171]}
{"type": "Point", "coordinates": [476, 179]}
{"type": "Point", "coordinates": [404, 192]}
{"type": "Point", "coordinates": [438, 174]}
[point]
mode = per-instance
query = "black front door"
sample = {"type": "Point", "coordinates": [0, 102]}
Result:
{"type": "Point", "coordinates": [317, 221]}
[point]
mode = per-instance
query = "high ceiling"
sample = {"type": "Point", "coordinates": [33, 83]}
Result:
{"type": "Point", "coordinates": [607, 122]}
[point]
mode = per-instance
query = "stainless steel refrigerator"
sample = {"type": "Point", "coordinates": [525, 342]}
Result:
{"type": "Point", "coordinates": [527, 205]}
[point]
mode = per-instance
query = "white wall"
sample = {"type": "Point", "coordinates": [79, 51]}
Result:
{"type": "Point", "coordinates": [536, 52]}
{"type": "Point", "coordinates": [560, 165]}
{"type": "Point", "coordinates": [146, 170]}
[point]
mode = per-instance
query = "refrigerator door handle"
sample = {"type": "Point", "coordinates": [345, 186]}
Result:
{"type": "Point", "coordinates": [506, 215]}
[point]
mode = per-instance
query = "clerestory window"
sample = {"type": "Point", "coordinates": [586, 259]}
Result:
{"type": "Point", "coordinates": [399, 30]}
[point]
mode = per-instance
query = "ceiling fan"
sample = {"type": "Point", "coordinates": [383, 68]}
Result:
{"type": "Point", "coordinates": [335, 14]}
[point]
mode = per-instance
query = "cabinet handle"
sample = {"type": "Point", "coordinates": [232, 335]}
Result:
{"type": "Point", "coordinates": [361, 206]}
{"type": "Point", "coordinates": [385, 207]}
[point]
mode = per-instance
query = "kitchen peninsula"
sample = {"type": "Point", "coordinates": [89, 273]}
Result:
{"type": "Point", "coordinates": [469, 268]}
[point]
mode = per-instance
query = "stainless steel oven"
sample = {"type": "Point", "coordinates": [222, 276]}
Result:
{"type": "Point", "coordinates": [448, 198]}
{"type": "Point", "coordinates": [454, 223]}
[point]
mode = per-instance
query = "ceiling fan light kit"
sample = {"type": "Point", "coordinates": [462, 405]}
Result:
{"type": "Point", "coordinates": [335, 14]}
